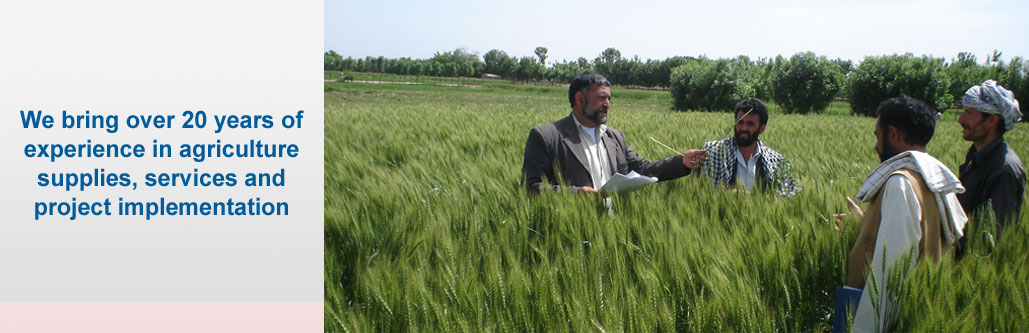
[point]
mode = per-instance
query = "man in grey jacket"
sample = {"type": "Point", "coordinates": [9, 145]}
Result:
{"type": "Point", "coordinates": [579, 153]}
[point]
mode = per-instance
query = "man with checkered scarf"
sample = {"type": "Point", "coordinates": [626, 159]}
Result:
{"type": "Point", "coordinates": [743, 160]}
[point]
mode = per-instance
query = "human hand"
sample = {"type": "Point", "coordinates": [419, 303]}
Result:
{"type": "Point", "coordinates": [694, 158]}
{"type": "Point", "coordinates": [587, 190]}
{"type": "Point", "coordinates": [854, 207]}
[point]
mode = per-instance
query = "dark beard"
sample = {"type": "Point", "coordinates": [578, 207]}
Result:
{"type": "Point", "coordinates": [594, 115]}
{"type": "Point", "coordinates": [887, 152]}
{"type": "Point", "coordinates": [972, 130]}
{"type": "Point", "coordinates": [741, 142]}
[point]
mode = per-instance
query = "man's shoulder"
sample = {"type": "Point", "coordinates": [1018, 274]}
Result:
{"type": "Point", "coordinates": [719, 151]}
{"type": "Point", "coordinates": [1003, 163]}
{"type": "Point", "coordinates": [552, 128]}
{"type": "Point", "coordinates": [771, 154]}
{"type": "Point", "coordinates": [909, 180]}
{"type": "Point", "coordinates": [1012, 162]}
{"type": "Point", "coordinates": [905, 173]}
{"type": "Point", "coordinates": [548, 127]}
{"type": "Point", "coordinates": [903, 180]}
{"type": "Point", "coordinates": [616, 133]}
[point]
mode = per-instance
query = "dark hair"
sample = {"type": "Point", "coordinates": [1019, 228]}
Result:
{"type": "Point", "coordinates": [754, 106]}
{"type": "Point", "coordinates": [911, 116]}
{"type": "Point", "coordinates": [583, 82]}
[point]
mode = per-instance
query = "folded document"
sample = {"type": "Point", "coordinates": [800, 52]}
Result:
{"type": "Point", "coordinates": [626, 183]}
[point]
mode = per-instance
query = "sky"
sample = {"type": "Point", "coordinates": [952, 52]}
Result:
{"type": "Point", "coordinates": [661, 29]}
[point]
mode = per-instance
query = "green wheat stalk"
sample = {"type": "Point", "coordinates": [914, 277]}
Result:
{"type": "Point", "coordinates": [667, 147]}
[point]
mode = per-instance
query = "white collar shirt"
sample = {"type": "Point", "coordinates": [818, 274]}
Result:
{"type": "Point", "coordinates": [747, 170]}
{"type": "Point", "coordinates": [596, 153]}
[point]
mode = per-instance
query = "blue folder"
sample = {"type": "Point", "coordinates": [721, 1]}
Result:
{"type": "Point", "coordinates": [846, 303]}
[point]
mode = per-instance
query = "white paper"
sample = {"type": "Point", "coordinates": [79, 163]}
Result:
{"type": "Point", "coordinates": [626, 183]}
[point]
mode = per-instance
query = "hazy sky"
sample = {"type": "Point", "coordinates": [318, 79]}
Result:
{"type": "Point", "coordinates": [660, 29]}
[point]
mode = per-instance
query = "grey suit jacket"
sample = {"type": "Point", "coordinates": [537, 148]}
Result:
{"type": "Point", "coordinates": [555, 150]}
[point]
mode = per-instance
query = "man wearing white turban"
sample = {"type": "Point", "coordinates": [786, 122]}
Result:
{"type": "Point", "coordinates": [992, 172]}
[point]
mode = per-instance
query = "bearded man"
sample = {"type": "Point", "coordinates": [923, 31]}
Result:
{"type": "Point", "coordinates": [913, 211]}
{"type": "Point", "coordinates": [579, 153]}
{"type": "Point", "coordinates": [742, 160]}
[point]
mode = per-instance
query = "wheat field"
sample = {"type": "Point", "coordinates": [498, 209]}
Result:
{"type": "Point", "coordinates": [427, 228]}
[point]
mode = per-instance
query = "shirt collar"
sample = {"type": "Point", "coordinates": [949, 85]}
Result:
{"type": "Point", "coordinates": [731, 142]}
{"type": "Point", "coordinates": [978, 156]}
{"type": "Point", "coordinates": [600, 130]}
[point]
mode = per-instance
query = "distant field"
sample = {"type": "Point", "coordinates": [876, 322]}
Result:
{"type": "Point", "coordinates": [427, 228]}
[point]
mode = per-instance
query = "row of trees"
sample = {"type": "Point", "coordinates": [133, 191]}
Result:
{"type": "Point", "coordinates": [807, 82]}
{"type": "Point", "coordinates": [803, 83]}
{"type": "Point", "coordinates": [461, 62]}
{"type": "Point", "coordinates": [932, 80]}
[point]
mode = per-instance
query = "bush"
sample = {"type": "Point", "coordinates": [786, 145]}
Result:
{"type": "Point", "coordinates": [1015, 77]}
{"type": "Point", "coordinates": [964, 73]}
{"type": "Point", "coordinates": [881, 78]}
{"type": "Point", "coordinates": [704, 84]}
{"type": "Point", "coordinates": [762, 74]}
{"type": "Point", "coordinates": [806, 83]}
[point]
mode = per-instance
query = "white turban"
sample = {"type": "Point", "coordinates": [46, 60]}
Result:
{"type": "Point", "coordinates": [991, 98]}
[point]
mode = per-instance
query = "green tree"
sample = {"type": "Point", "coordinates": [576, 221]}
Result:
{"type": "Point", "coordinates": [806, 83]}
{"type": "Point", "coordinates": [761, 75]}
{"type": "Point", "coordinates": [964, 72]}
{"type": "Point", "coordinates": [650, 76]}
{"type": "Point", "coordinates": [349, 64]}
{"type": "Point", "coordinates": [995, 57]}
{"type": "Point", "coordinates": [846, 68]}
{"type": "Point", "coordinates": [1015, 77]}
{"type": "Point", "coordinates": [880, 78]}
{"type": "Point", "coordinates": [584, 63]}
{"type": "Point", "coordinates": [631, 71]}
{"type": "Point", "coordinates": [564, 72]}
{"type": "Point", "coordinates": [466, 69]}
{"type": "Point", "coordinates": [541, 53]}
{"type": "Point", "coordinates": [704, 84]}
{"type": "Point", "coordinates": [359, 65]}
{"type": "Point", "coordinates": [333, 61]}
{"type": "Point", "coordinates": [418, 68]}
{"type": "Point", "coordinates": [663, 73]}
{"type": "Point", "coordinates": [528, 69]}
{"type": "Point", "coordinates": [449, 69]}
{"type": "Point", "coordinates": [605, 64]}
{"type": "Point", "coordinates": [459, 55]}
{"type": "Point", "coordinates": [498, 62]}
{"type": "Point", "coordinates": [380, 64]}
